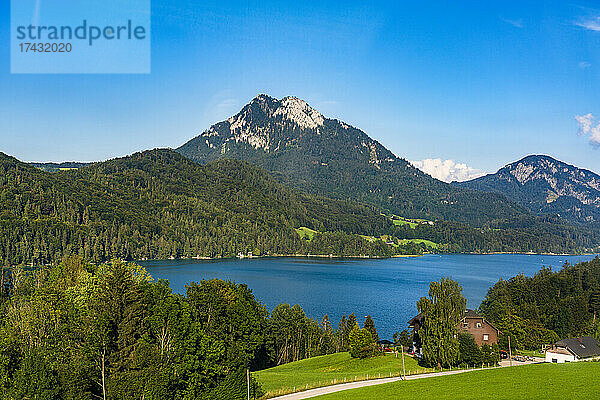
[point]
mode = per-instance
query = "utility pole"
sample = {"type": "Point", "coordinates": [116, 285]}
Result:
{"type": "Point", "coordinates": [403, 369]}
{"type": "Point", "coordinates": [248, 382]}
{"type": "Point", "coordinates": [509, 352]}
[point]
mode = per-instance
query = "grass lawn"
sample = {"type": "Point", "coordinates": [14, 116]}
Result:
{"type": "Point", "coordinates": [306, 233]}
{"type": "Point", "coordinates": [427, 242]}
{"type": "Point", "coordinates": [325, 370]}
{"type": "Point", "coordinates": [537, 381]}
{"type": "Point", "coordinates": [400, 222]}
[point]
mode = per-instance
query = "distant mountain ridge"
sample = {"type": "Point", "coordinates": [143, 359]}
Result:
{"type": "Point", "coordinates": [545, 185]}
{"type": "Point", "coordinates": [305, 150]}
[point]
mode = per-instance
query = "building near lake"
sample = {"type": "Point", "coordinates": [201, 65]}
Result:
{"type": "Point", "coordinates": [573, 349]}
{"type": "Point", "coordinates": [471, 322]}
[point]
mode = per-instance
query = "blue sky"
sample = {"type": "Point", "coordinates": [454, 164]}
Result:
{"type": "Point", "coordinates": [477, 83]}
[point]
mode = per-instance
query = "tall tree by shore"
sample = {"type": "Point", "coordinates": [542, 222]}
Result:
{"type": "Point", "coordinates": [442, 311]}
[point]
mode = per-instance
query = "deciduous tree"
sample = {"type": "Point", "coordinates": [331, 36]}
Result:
{"type": "Point", "coordinates": [441, 311]}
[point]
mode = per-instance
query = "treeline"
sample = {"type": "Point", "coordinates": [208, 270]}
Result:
{"type": "Point", "coordinates": [80, 331]}
{"type": "Point", "coordinates": [522, 234]}
{"type": "Point", "coordinates": [550, 305]}
{"type": "Point", "coordinates": [158, 204]}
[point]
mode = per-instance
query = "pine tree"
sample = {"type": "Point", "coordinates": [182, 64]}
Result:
{"type": "Point", "coordinates": [370, 326]}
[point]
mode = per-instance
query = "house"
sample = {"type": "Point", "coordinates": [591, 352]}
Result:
{"type": "Point", "coordinates": [481, 329]}
{"type": "Point", "coordinates": [573, 349]}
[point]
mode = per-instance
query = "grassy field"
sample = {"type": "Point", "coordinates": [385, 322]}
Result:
{"type": "Point", "coordinates": [306, 233]}
{"type": "Point", "coordinates": [330, 369]}
{"type": "Point", "coordinates": [386, 238]}
{"type": "Point", "coordinates": [401, 221]}
{"type": "Point", "coordinates": [427, 242]}
{"type": "Point", "coordinates": [537, 381]}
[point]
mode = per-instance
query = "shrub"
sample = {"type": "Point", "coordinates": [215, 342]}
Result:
{"type": "Point", "coordinates": [362, 344]}
{"type": "Point", "coordinates": [469, 352]}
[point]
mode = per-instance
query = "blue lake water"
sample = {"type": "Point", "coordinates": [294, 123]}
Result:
{"type": "Point", "coordinates": [387, 289]}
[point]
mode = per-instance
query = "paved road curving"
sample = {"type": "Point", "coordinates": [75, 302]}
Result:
{"type": "Point", "coordinates": [353, 385]}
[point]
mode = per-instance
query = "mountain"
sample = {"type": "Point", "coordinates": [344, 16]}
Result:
{"type": "Point", "coordinates": [159, 204]}
{"type": "Point", "coordinates": [303, 149]}
{"type": "Point", "coordinates": [545, 185]}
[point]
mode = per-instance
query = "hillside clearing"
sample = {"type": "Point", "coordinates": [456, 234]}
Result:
{"type": "Point", "coordinates": [306, 233]}
{"type": "Point", "coordinates": [330, 369]}
{"type": "Point", "coordinates": [426, 242]}
{"type": "Point", "coordinates": [399, 221]}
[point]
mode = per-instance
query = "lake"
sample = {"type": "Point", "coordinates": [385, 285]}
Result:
{"type": "Point", "coordinates": [387, 289]}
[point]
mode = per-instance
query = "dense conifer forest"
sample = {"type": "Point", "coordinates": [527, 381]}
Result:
{"type": "Point", "coordinates": [158, 204]}
{"type": "Point", "coordinates": [550, 305]}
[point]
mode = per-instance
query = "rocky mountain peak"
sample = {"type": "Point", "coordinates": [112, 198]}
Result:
{"type": "Point", "coordinates": [546, 185]}
{"type": "Point", "coordinates": [263, 124]}
{"type": "Point", "coordinates": [553, 172]}
{"type": "Point", "coordinates": [299, 112]}
{"type": "Point", "coordinates": [291, 109]}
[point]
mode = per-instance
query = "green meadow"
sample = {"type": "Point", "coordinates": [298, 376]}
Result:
{"type": "Point", "coordinates": [331, 369]}
{"type": "Point", "coordinates": [536, 381]}
{"type": "Point", "coordinates": [306, 233]}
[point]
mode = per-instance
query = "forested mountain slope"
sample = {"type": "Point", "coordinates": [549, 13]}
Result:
{"type": "Point", "coordinates": [158, 204]}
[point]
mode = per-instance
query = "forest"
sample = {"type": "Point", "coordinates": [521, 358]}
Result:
{"type": "Point", "coordinates": [108, 331]}
{"type": "Point", "coordinates": [549, 306]}
{"type": "Point", "coordinates": [523, 234]}
{"type": "Point", "coordinates": [158, 204]}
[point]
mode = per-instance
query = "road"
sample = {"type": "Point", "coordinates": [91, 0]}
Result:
{"type": "Point", "coordinates": [353, 385]}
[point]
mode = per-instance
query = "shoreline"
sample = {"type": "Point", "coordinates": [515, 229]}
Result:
{"type": "Point", "coordinates": [530, 254]}
{"type": "Point", "coordinates": [335, 257]}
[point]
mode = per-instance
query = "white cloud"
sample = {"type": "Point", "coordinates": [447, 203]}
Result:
{"type": "Point", "coordinates": [221, 105]}
{"type": "Point", "coordinates": [586, 128]}
{"type": "Point", "coordinates": [517, 23]}
{"type": "Point", "coordinates": [447, 170]}
{"type": "Point", "coordinates": [591, 24]}
{"type": "Point", "coordinates": [584, 65]}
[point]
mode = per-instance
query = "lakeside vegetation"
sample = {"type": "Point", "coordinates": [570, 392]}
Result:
{"type": "Point", "coordinates": [539, 381]}
{"type": "Point", "coordinates": [550, 305]}
{"type": "Point", "coordinates": [81, 331]}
